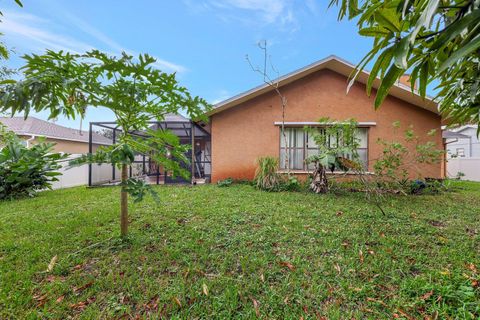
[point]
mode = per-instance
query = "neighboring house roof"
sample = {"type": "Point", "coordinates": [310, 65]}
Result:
{"type": "Point", "coordinates": [172, 117]}
{"type": "Point", "coordinates": [36, 127]}
{"type": "Point", "coordinates": [465, 127]}
{"type": "Point", "coordinates": [338, 65]}
{"type": "Point", "coordinates": [448, 134]}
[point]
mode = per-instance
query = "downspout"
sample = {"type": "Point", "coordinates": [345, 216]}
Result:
{"type": "Point", "coordinates": [470, 146]}
{"type": "Point", "coordinates": [192, 134]}
{"type": "Point", "coordinates": [32, 137]}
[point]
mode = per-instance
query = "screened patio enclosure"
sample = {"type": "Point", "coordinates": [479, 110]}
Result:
{"type": "Point", "coordinates": [189, 133]}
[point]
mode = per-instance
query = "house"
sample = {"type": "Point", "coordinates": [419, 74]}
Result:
{"type": "Point", "coordinates": [247, 126]}
{"type": "Point", "coordinates": [463, 152]}
{"type": "Point", "coordinates": [66, 140]}
{"type": "Point", "coordinates": [467, 145]}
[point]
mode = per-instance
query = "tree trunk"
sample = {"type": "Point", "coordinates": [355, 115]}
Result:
{"type": "Point", "coordinates": [124, 203]}
{"type": "Point", "coordinates": [319, 182]}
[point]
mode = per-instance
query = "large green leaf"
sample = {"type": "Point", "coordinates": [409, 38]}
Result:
{"type": "Point", "coordinates": [373, 31]}
{"type": "Point", "coordinates": [387, 82]}
{"type": "Point", "coordinates": [401, 53]}
{"type": "Point", "coordinates": [470, 47]}
{"type": "Point", "coordinates": [387, 18]}
{"type": "Point", "coordinates": [456, 29]}
{"type": "Point", "coordinates": [383, 61]}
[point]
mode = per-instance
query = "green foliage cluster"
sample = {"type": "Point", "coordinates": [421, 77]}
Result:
{"type": "Point", "coordinates": [337, 144]}
{"type": "Point", "coordinates": [267, 177]}
{"type": "Point", "coordinates": [335, 140]}
{"type": "Point", "coordinates": [394, 168]}
{"type": "Point", "coordinates": [24, 171]}
{"type": "Point", "coordinates": [430, 186]}
{"type": "Point", "coordinates": [225, 183]}
{"type": "Point", "coordinates": [432, 39]}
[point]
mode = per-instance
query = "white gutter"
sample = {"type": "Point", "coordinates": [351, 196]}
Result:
{"type": "Point", "coordinates": [302, 124]}
{"type": "Point", "coordinates": [61, 138]}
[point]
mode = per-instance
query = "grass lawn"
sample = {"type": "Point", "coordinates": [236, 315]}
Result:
{"type": "Point", "coordinates": [235, 252]}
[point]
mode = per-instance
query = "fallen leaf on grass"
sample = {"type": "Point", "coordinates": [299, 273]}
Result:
{"type": "Point", "coordinates": [151, 305]}
{"type": "Point", "coordinates": [40, 299]}
{"type": "Point", "coordinates": [360, 254]}
{"type": "Point", "coordinates": [472, 267]}
{"type": "Point", "coordinates": [427, 295]}
{"type": "Point", "coordinates": [81, 288]}
{"type": "Point", "coordinates": [286, 300]}
{"type": "Point", "coordinates": [337, 267]}
{"type": "Point", "coordinates": [52, 263]}
{"type": "Point", "coordinates": [82, 304]}
{"type": "Point", "coordinates": [403, 313]}
{"type": "Point", "coordinates": [262, 277]}
{"type": "Point", "coordinates": [60, 299]}
{"type": "Point", "coordinates": [78, 267]}
{"type": "Point", "coordinates": [446, 272]}
{"type": "Point", "coordinates": [51, 278]}
{"type": "Point", "coordinates": [177, 301]}
{"type": "Point", "coordinates": [205, 289]}
{"type": "Point", "coordinates": [287, 265]}
{"type": "Point", "coordinates": [377, 301]}
{"type": "Point", "coordinates": [256, 307]}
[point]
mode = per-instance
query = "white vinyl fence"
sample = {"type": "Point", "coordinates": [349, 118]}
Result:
{"type": "Point", "coordinates": [78, 176]}
{"type": "Point", "coordinates": [470, 167]}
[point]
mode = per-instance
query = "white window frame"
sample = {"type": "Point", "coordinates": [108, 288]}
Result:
{"type": "Point", "coordinates": [305, 166]}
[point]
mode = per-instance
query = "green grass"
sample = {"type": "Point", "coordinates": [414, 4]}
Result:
{"type": "Point", "coordinates": [278, 255]}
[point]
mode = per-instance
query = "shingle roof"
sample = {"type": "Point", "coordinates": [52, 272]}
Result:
{"type": "Point", "coordinates": [37, 127]}
{"type": "Point", "coordinates": [172, 117]}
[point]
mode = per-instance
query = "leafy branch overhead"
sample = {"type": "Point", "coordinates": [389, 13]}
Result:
{"type": "Point", "coordinates": [431, 39]}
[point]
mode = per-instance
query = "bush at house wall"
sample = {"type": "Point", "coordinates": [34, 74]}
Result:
{"type": "Point", "coordinates": [24, 171]}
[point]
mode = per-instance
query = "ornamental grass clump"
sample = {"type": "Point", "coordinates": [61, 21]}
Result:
{"type": "Point", "coordinates": [266, 176]}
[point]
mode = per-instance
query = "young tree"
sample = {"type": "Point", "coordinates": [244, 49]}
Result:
{"type": "Point", "coordinates": [275, 85]}
{"type": "Point", "coordinates": [136, 93]}
{"type": "Point", "coordinates": [432, 39]}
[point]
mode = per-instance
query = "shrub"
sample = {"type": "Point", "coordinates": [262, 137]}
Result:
{"type": "Point", "coordinates": [24, 171]}
{"type": "Point", "coordinates": [291, 184]}
{"type": "Point", "coordinates": [403, 158]}
{"type": "Point", "coordinates": [266, 176]}
{"type": "Point", "coordinates": [225, 183]}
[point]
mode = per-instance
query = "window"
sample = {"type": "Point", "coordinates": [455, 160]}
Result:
{"type": "Point", "coordinates": [300, 145]}
{"type": "Point", "coordinates": [460, 152]}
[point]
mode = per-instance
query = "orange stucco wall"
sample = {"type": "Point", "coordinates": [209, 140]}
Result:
{"type": "Point", "coordinates": [245, 132]}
